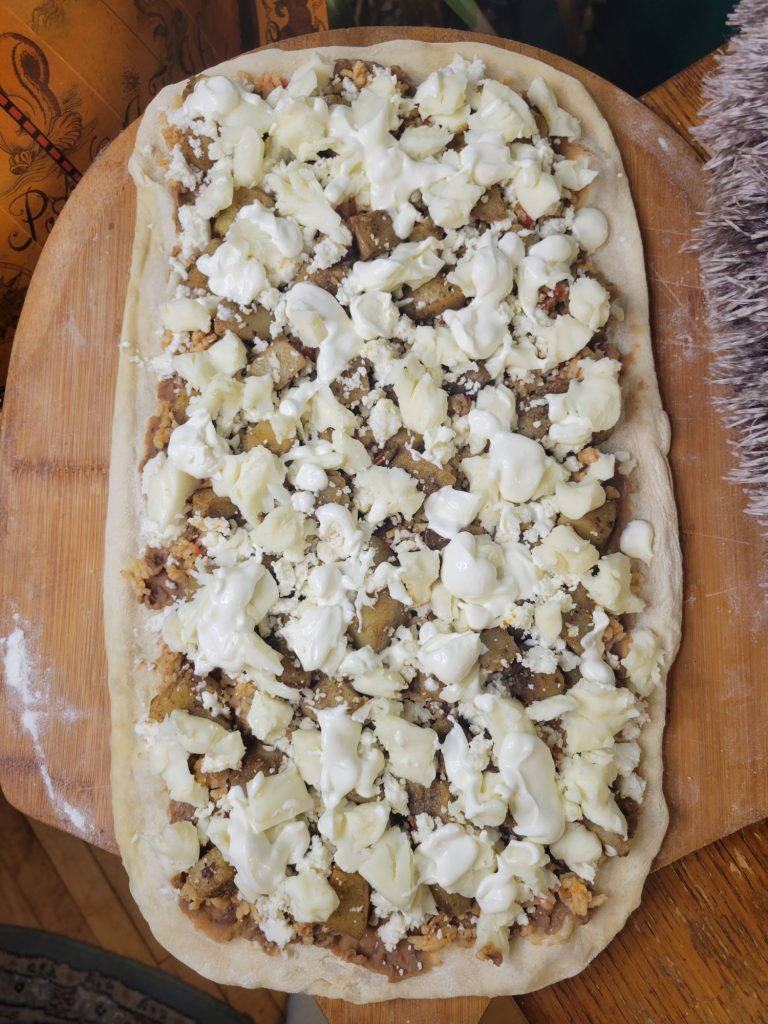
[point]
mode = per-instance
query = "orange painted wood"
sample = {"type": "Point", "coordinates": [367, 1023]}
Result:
{"type": "Point", "coordinates": [53, 466]}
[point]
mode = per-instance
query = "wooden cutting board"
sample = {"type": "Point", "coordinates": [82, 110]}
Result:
{"type": "Point", "coordinates": [54, 456]}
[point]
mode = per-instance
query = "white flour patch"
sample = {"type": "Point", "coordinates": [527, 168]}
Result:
{"type": "Point", "coordinates": [33, 693]}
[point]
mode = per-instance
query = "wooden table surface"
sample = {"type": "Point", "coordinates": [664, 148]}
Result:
{"type": "Point", "coordinates": [693, 951]}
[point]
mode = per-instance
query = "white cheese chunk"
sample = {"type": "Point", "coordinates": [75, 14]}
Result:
{"type": "Point", "coordinates": [448, 656]}
{"type": "Point", "coordinates": [195, 448]}
{"type": "Point", "coordinates": [388, 867]}
{"type": "Point", "coordinates": [382, 492]}
{"type": "Point", "coordinates": [216, 627]}
{"type": "Point", "coordinates": [199, 368]}
{"type": "Point", "coordinates": [636, 540]}
{"type": "Point", "coordinates": [411, 748]}
{"type": "Point", "coordinates": [454, 858]}
{"type": "Point", "coordinates": [449, 510]}
{"type": "Point", "coordinates": [182, 314]}
{"type": "Point", "coordinates": [580, 849]}
{"type": "Point", "coordinates": [268, 717]}
{"type": "Point", "coordinates": [310, 897]}
{"type": "Point", "coordinates": [642, 661]}
{"type": "Point", "coordinates": [177, 846]}
{"type": "Point", "coordinates": [590, 227]}
{"type": "Point", "coordinates": [611, 585]}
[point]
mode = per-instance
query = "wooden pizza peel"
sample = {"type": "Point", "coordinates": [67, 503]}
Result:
{"type": "Point", "coordinates": [54, 460]}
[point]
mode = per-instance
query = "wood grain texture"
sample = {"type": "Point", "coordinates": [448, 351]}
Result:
{"type": "Point", "coordinates": [52, 494]}
{"type": "Point", "coordinates": [61, 884]}
{"type": "Point", "coordinates": [678, 100]}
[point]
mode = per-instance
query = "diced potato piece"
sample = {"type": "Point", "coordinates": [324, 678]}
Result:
{"type": "Point", "coordinates": [293, 674]}
{"type": "Point", "coordinates": [432, 800]}
{"type": "Point", "coordinates": [491, 206]}
{"type": "Point", "coordinates": [281, 361]}
{"type": "Point", "coordinates": [257, 758]}
{"type": "Point", "coordinates": [176, 694]}
{"type": "Point", "coordinates": [578, 620]}
{"type": "Point", "coordinates": [425, 229]}
{"type": "Point", "coordinates": [329, 278]}
{"type": "Point", "coordinates": [262, 433]}
{"type": "Point", "coordinates": [210, 877]}
{"type": "Point", "coordinates": [529, 686]}
{"type": "Point", "coordinates": [533, 420]}
{"type": "Point", "coordinates": [353, 385]}
{"type": "Point", "coordinates": [382, 552]}
{"type": "Point", "coordinates": [428, 476]}
{"type": "Point", "coordinates": [329, 692]}
{"type": "Point", "coordinates": [246, 324]}
{"type": "Point", "coordinates": [373, 233]}
{"type": "Point", "coordinates": [451, 903]}
{"type": "Point", "coordinates": [620, 845]}
{"type": "Point", "coordinates": [433, 298]}
{"type": "Point", "coordinates": [338, 491]}
{"type": "Point", "coordinates": [207, 504]}
{"type": "Point", "coordinates": [502, 650]}
{"type": "Point", "coordinates": [351, 915]}
{"type": "Point", "coordinates": [596, 526]}
{"type": "Point", "coordinates": [380, 620]}
{"type": "Point", "coordinates": [202, 162]}
{"type": "Point", "coordinates": [242, 197]}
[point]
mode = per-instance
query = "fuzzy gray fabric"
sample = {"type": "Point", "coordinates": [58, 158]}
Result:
{"type": "Point", "coordinates": [733, 242]}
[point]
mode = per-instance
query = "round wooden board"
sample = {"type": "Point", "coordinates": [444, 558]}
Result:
{"type": "Point", "coordinates": [54, 762]}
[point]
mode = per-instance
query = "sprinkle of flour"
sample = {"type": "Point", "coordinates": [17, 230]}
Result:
{"type": "Point", "coordinates": [35, 704]}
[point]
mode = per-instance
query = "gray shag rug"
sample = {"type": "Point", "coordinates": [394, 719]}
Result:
{"type": "Point", "coordinates": [733, 242]}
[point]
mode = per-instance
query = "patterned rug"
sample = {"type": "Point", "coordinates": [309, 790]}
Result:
{"type": "Point", "coordinates": [733, 242]}
{"type": "Point", "coordinates": [50, 979]}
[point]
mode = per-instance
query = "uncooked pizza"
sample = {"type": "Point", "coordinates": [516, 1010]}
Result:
{"type": "Point", "coordinates": [392, 579]}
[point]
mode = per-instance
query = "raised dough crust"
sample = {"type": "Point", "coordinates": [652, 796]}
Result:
{"type": "Point", "coordinates": [139, 799]}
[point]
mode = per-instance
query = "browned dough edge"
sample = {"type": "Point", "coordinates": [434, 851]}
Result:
{"type": "Point", "coordinates": [139, 798]}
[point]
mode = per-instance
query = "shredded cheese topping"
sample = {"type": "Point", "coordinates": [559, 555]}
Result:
{"type": "Point", "coordinates": [395, 566]}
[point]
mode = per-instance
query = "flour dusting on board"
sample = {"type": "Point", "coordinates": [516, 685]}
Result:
{"type": "Point", "coordinates": [35, 701]}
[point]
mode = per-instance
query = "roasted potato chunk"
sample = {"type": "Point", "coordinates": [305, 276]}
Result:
{"type": "Point", "coordinates": [428, 476]}
{"type": "Point", "coordinates": [502, 650]}
{"type": "Point", "coordinates": [353, 385]}
{"type": "Point", "coordinates": [621, 846]}
{"type": "Point", "coordinates": [490, 207]}
{"type": "Point", "coordinates": [596, 526]}
{"type": "Point", "coordinates": [201, 161]}
{"type": "Point", "coordinates": [529, 686]}
{"type": "Point", "coordinates": [242, 197]}
{"type": "Point", "coordinates": [210, 505]}
{"type": "Point", "coordinates": [262, 433]}
{"type": "Point", "coordinates": [329, 278]}
{"type": "Point", "coordinates": [351, 915]}
{"type": "Point", "coordinates": [257, 758]}
{"type": "Point", "coordinates": [379, 622]}
{"type": "Point", "coordinates": [578, 620]}
{"type": "Point", "coordinates": [533, 419]}
{"type": "Point", "coordinates": [373, 233]}
{"type": "Point", "coordinates": [329, 692]}
{"type": "Point", "coordinates": [433, 298]}
{"type": "Point", "coordinates": [280, 360]}
{"type": "Point", "coordinates": [210, 877]}
{"type": "Point", "coordinates": [293, 674]}
{"type": "Point", "coordinates": [432, 800]}
{"type": "Point", "coordinates": [382, 552]}
{"type": "Point", "coordinates": [246, 324]}
{"type": "Point", "coordinates": [425, 229]}
{"type": "Point", "coordinates": [177, 693]}
{"type": "Point", "coordinates": [451, 903]}
{"type": "Point", "coordinates": [338, 491]}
